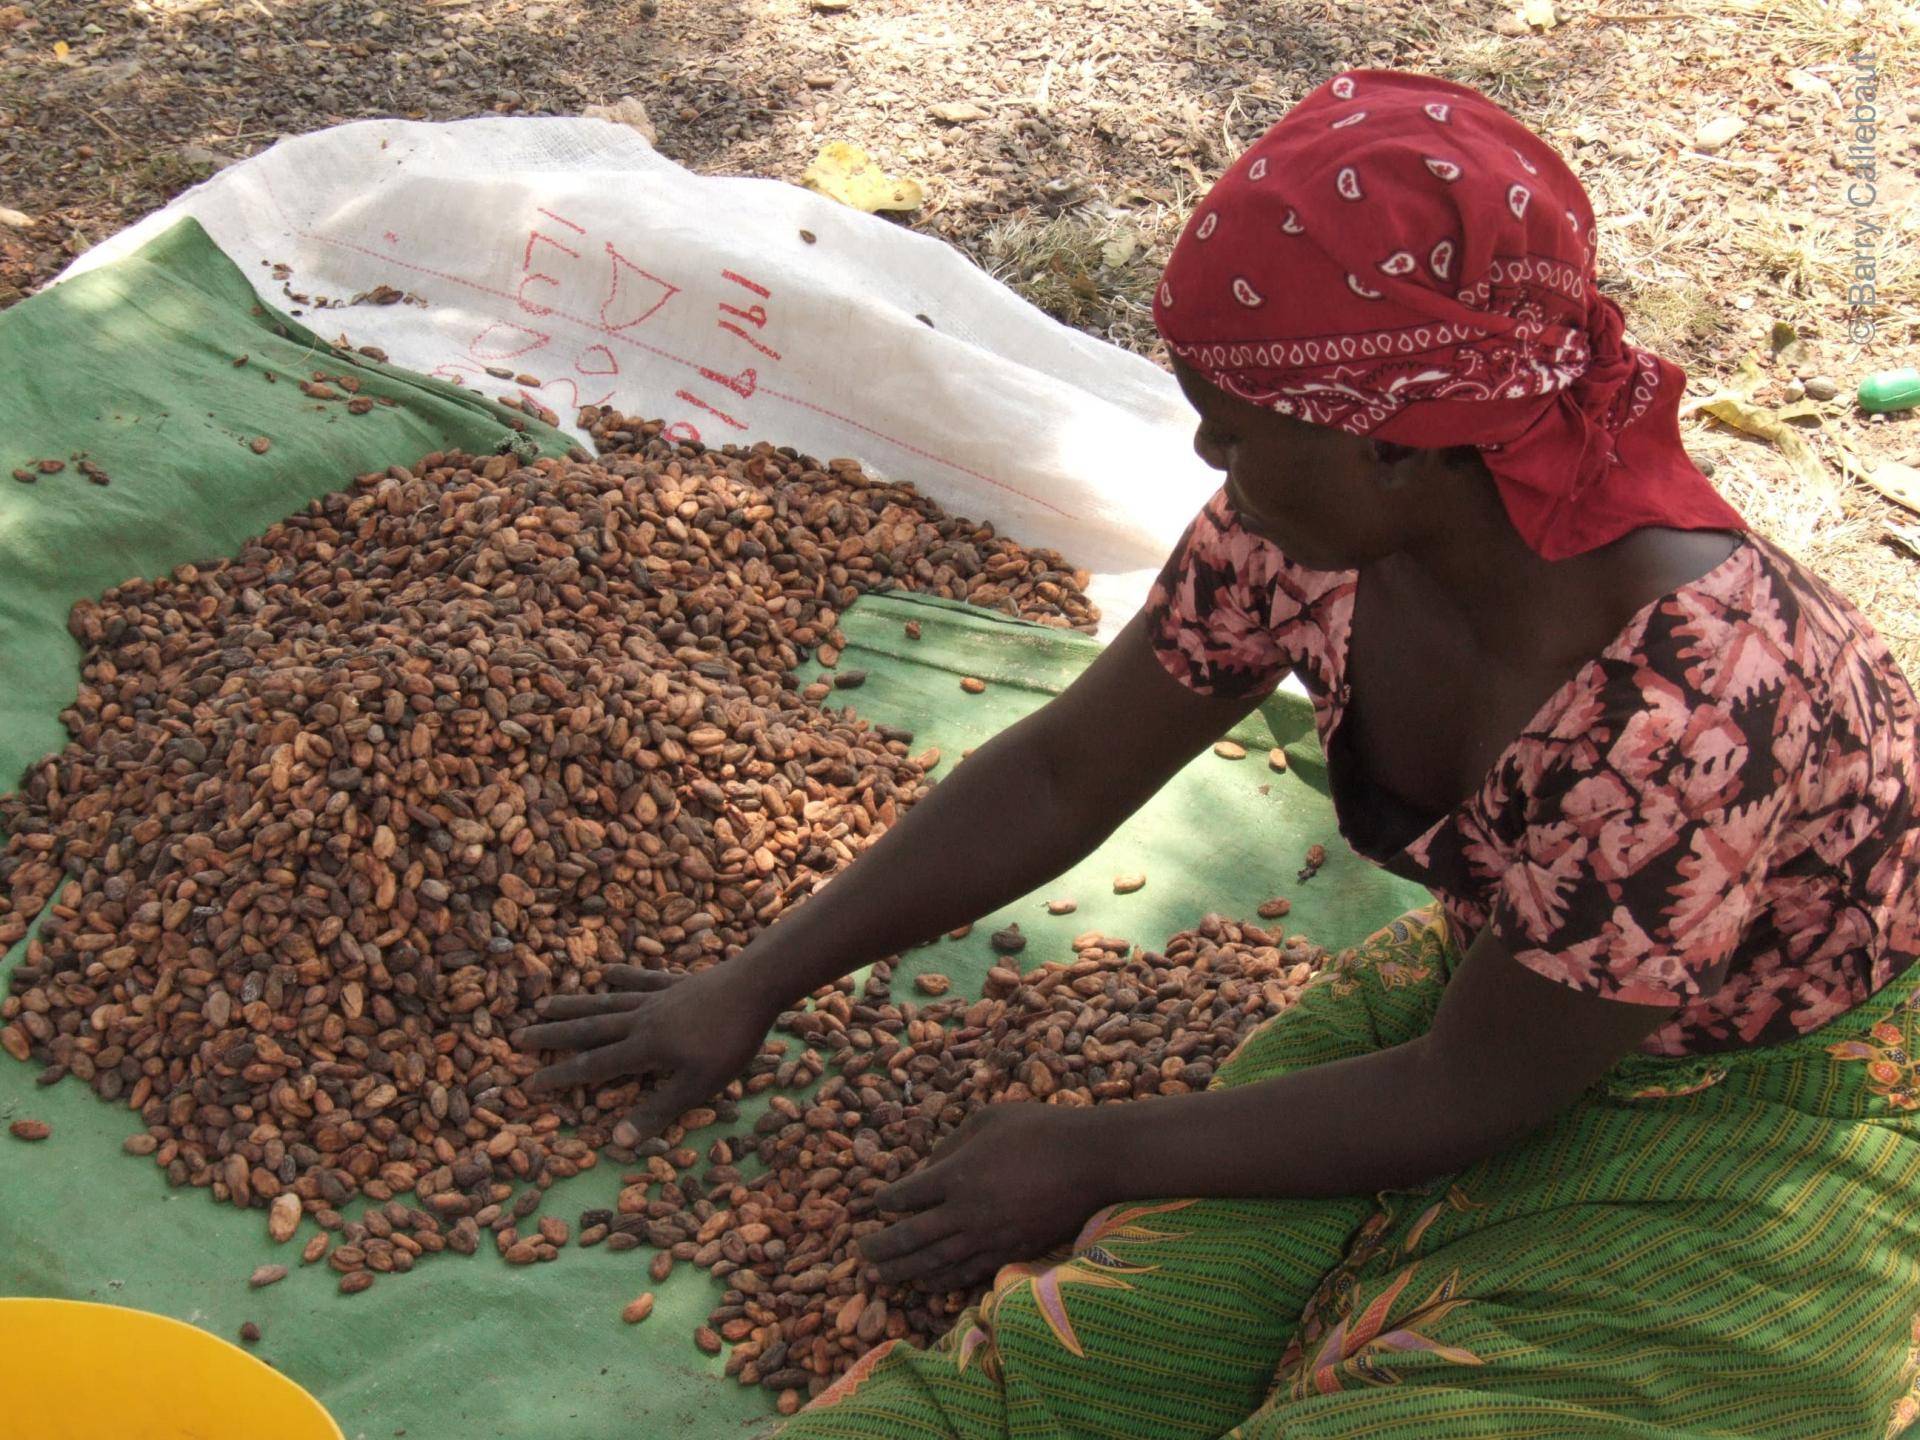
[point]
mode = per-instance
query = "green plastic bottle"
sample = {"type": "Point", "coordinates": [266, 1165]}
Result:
{"type": "Point", "coordinates": [1891, 390]}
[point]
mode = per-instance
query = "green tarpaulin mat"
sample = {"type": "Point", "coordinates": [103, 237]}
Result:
{"type": "Point", "coordinates": [133, 365]}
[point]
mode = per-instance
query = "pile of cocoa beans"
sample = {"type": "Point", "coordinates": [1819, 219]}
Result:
{"type": "Point", "coordinates": [1112, 1024]}
{"type": "Point", "coordinates": [336, 813]}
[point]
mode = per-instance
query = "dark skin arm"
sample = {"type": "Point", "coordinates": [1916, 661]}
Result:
{"type": "Point", "coordinates": [1017, 1179]}
{"type": "Point", "coordinates": [1028, 805]}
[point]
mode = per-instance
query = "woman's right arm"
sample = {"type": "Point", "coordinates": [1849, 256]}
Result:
{"type": "Point", "coordinates": [1028, 805]}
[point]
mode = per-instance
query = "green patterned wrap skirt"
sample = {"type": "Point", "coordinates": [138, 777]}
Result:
{"type": "Point", "coordinates": [1720, 1246]}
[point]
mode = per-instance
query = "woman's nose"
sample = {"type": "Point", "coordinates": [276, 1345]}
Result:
{"type": "Point", "coordinates": [1214, 456]}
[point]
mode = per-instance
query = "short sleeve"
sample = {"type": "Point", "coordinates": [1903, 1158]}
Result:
{"type": "Point", "coordinates": [1229, 615]}
{"type": "Point", "coordinates": [1647, 844]}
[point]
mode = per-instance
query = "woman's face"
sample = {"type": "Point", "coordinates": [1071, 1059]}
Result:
{"type": "Point", "coordinates": [1326, 498]}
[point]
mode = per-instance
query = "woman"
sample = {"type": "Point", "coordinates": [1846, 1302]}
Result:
{"type": "Point", "coordinates": [1617, 1138]}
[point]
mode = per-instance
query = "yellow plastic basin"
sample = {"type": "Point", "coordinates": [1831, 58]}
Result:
{"type": "Point", "coordinates": [74, 1371]}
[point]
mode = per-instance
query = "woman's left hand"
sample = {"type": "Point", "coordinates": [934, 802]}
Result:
{"type": "Point", "coordinates": [1011, 1183]}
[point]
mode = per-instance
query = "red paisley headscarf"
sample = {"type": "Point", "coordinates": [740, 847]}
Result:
{"type": "Point", "coordinates": [1399, 257]}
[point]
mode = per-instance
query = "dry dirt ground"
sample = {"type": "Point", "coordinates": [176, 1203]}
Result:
{"type": "Point", "coordinates": [1084, 131]}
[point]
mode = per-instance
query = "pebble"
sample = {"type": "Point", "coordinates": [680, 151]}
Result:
{"type": "Point", "coordinates": [1715, 134]}
{"type": "Point", "coordinates": [1822, 387]}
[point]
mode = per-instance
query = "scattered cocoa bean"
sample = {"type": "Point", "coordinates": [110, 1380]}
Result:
{"type": "Point", "coordinates": [30, 1129]}
{"type": "Point", "coordinates": [1062, 907]}
{"type": "Point", "coordinates": [638, 1310]}
{"type": "Point", "coordinates": [1316, 857]}
{"type": "Point", "coordinates": [1229, 750]}
{"type": "Point", "coordinates": [283, 1217]}
{"type": "Point", "coordinates": [1127, 884]}
{"type": "Point", "coordinates": [1008, 941]}
{"type": "Point", "coordinates": [972, 686]}
{"type": "Point", "coordinates": [249, 1333]}
{"type": "Point", "coordinates": [1277, 760]}
{"type": "Point", "coordinates": [266, 1275]}
{"type": "Point", "coordinates": [931, 983]}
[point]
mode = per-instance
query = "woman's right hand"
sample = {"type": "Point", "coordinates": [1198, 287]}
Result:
{"type": "Point", "coordinates": [692, 1033]}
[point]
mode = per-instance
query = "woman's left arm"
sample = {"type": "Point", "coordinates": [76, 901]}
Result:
{"type": "Point", "coordinates": [1508, 1050]}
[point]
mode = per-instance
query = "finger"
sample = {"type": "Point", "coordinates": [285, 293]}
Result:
{"type": "Point", "coordinates": [632, 977]}
{"type": "Point", "coordinates": [963, 1132]}
{"type": "Point", "coordinates": [924, 1187]}
{"type": "Point", "coordinates": [964, 1276]}
{"type": "Point", "coordinates": [589, 1067]}
{"type": "Point", "coordinates": [576, 1034]}
{"type": "Point", "coordinates": [931, 1259]}
{"type": "Point", "coordinates": [574, 1007]}
{"type": "Point", "coordinates": [669, 1100]}
{"type": "Point", "coordinates": [907, 1236]}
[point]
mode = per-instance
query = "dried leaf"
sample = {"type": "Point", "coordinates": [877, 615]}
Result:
{"type": "Point", "coordinates": [848, 174]}
{"type": "Point", "coordinates": [1734, 407]}
{"type": "Point", "coordinates": [1120, 250]}
{"type": "Point", "coordinates": [1899, 483]}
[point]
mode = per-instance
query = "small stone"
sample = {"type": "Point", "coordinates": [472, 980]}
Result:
{"type": "Point", "coordinates": [1822, 387]}
{"type": "Point", "coordinates": [1714, 134]}
{"type": "Point", "coordinates": [15, 219]}
{"type": "Point", "coordinates": [630, 111]}
{"type": "Point", "coordinates": [832, 7]}
{"type": "Point", "coordinates": [1511, 24]}
{"type": "Point", "coordinates": [1127, 884]}
{"type": "Point", "coordinates": [958, 112]}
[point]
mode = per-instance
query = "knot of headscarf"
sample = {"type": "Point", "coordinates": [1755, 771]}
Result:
{"type": "Point", "coordinates": [1399, 257]}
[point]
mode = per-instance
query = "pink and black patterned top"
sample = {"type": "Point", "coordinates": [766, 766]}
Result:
{"type": "Point", "coordinates": [1717, 812]}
